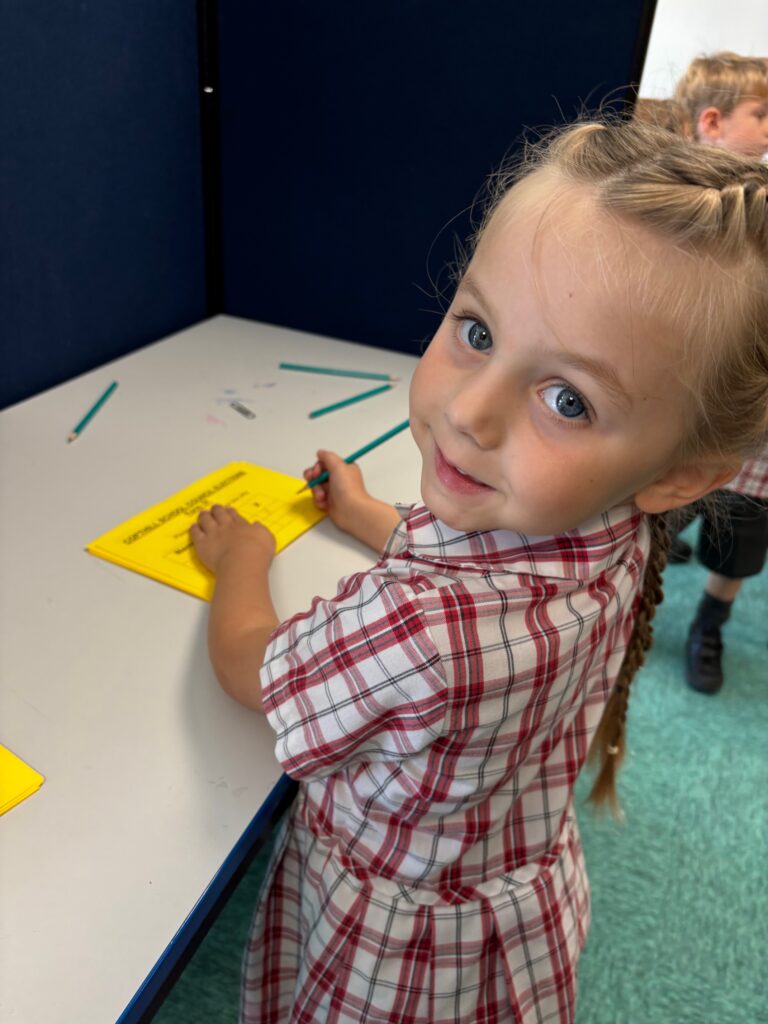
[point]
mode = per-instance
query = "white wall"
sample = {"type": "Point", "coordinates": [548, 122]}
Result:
{"type": "Point", "coordinates": [684, 29]}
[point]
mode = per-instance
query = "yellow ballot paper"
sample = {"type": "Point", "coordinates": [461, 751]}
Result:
{"type": "Point", "coordinates": [17, 780]}
{"type": "Point", "coordinates": [156, 543]}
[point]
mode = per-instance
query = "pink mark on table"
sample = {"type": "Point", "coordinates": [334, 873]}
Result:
{"type": "Point", "coordinates": [215, 421]}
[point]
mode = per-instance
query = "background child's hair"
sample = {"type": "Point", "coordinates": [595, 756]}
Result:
{"type": "Point", "coordinates": [721, 80]}
{"type": "Point", "coordinates": [712, 289]}
{"type": "Point", "coordinates": [666, 114]}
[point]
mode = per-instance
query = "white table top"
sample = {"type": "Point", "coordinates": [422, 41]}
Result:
{"type": "Point", "coordinates": [152, 772]}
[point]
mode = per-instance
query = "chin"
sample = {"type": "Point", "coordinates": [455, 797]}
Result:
{"type": "Point", "coordinates": [442, 509]}
{"type": "Point", "coordinates": [484, 520]}
{"type": "Point", "coordinates": [462, 520]}
{"type": "Point", "coordinates": [454, 520]}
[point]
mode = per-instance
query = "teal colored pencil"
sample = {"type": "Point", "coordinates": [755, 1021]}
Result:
{"type": "Point", "coordinates": [349, 401]}
{"type": "Point", "coordinates": [91, 412]}
{"type": "Point", "coordinates": [338, 373]}
{"type": "Point", "coordinates": [356, 455]}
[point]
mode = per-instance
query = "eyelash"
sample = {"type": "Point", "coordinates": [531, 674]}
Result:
{"type": "Point", "coordinates": [462, 316]}
{"type": "Point", "coordinates": [571, 422]}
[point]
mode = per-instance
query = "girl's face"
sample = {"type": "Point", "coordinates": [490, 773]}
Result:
{"type": "Point", "coordinates": [546, 396]}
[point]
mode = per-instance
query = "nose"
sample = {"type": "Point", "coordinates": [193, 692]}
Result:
{"type": "Point", "coordinates": [479, 409]}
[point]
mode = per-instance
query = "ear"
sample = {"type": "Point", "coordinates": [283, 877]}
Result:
{"type": "Point", "coordinates": [684, 485]}
{"type": "Point", "coordinates": [709, 125]}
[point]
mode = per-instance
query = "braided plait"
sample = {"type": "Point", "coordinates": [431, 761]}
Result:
{"type": "Point", "coordinates": [723, 210]}
{"type": "Point", "coordinates": [698, 195]}
{"type": "Point", "coordinates": [609, 742]}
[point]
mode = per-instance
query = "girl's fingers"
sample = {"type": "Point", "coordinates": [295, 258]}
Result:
{"type": "Point", "coordinates": [222, 512]}
{"type": "Point", "coordinates": [217, 515]}
{"type": "Point", "coordinates": [328, 460]}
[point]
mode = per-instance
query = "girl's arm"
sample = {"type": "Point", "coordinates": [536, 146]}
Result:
{"type": "Point", "coordinates": [242, 616]}
{"type": "Point", "coordinates": [344, 497]}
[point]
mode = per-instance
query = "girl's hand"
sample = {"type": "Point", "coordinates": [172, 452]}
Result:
{"type": "Point", "coordinates": [345, 498]}
{"type": "Point", "coordinates": [343, 494]}
{"type": "Point", "coordinates": [221, 533]}
{"type": "Point", "coordinates": [242, 615]}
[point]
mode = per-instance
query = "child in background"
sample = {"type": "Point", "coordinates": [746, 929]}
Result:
{"type": "Point", "coordinates": [726, 98]}
{"type": "Point", "coordinates": [439, 708]}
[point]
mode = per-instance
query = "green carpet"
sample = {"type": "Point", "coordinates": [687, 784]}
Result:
{"type": "Point", "coordinates": [680, 891]}
{"type": "Point", "coordinates": [680, 904]}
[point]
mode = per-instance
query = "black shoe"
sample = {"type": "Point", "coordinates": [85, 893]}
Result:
{"type": "Point", "coordinates": [679, 551]}
{"type": "Point", "coordinates": [703, 658]}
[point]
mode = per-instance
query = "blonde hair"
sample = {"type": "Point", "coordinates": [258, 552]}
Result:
{"type": "Point", "coordinates": [711, 206]}
{"type": "Point", "coordinates": [721, 80]}
{"type": "Point", "coordinates": [667, 114]}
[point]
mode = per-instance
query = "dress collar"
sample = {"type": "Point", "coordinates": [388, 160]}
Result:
{"type": "Point", "coordinates": [587, 550]}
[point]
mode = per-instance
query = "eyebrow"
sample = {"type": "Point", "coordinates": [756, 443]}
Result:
{"type": "Point", "coordinates": [600, 370]}
{"type": "Point", "coordinates": [467, 283]}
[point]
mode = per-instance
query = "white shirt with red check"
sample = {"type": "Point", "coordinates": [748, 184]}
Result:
{"type": "Point", "coordinates": [437, 712]}
{"type": "Point", "coordinates": [752, 479]}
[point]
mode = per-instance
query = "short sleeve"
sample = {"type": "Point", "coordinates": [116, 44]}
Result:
{"type": "Point", "coordinates": [357, 678]}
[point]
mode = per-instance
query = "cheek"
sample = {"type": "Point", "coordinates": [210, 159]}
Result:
{"type": "Point", "coordinates": [572, 475]}
{"type": "Point", "coordinates": [418, 390]}
{"type": "Point", "coordinates": [744, 138]}
{"type": "Point", "coordinates": [427, 378]}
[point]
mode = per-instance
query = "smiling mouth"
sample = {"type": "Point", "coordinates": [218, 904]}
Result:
{"type": "Point", "coordinates": [455, 479]}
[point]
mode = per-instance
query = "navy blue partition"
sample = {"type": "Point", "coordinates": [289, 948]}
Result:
{"type": "Point", "coordinates": [354, 135]}
{"type": "Point", "coordinates": [353, 138]}
{"type": "Point", "coordinates": [101, 201]}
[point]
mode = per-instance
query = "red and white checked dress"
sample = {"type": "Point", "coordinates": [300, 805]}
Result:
{"type": "Point", "coordinates": [437, 712]}
{"type": "Point", "coordinates": [752, 478]}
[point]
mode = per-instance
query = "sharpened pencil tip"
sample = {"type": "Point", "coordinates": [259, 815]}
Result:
{"type": "Point", "coordinates": [71, 438]}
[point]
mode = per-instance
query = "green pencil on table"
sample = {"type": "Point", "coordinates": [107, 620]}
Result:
{"type": "Point", "coordinates": [76, 431]}
{"type": "Point", "coordinates": [349, 401]}
{"type": "Point", "coordinates": [356, 455]}
{"type": "Point", "coordinates": [363, 374]}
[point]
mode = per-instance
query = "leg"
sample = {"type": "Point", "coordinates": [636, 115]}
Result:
{"type": "Point", "coordinates": [722, 587]}
{"type": "Point", "coordinates": [732, 545]}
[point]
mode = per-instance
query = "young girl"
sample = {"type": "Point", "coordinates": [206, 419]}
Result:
{"type": "Point", "coordinates": [438, 709]}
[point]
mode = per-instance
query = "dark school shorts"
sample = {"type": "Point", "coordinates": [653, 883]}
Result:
{"type": "Point", "coordinates": [734, 542]}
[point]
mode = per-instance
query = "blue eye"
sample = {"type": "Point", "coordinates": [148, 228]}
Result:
{"type": "Point", "coordinates": [475, 334]}
{"type": "Point", "coordinates": [565, 402]}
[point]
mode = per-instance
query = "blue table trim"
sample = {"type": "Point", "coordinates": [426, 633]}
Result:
{"type": "Point", "coordinates": [182, 945]}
